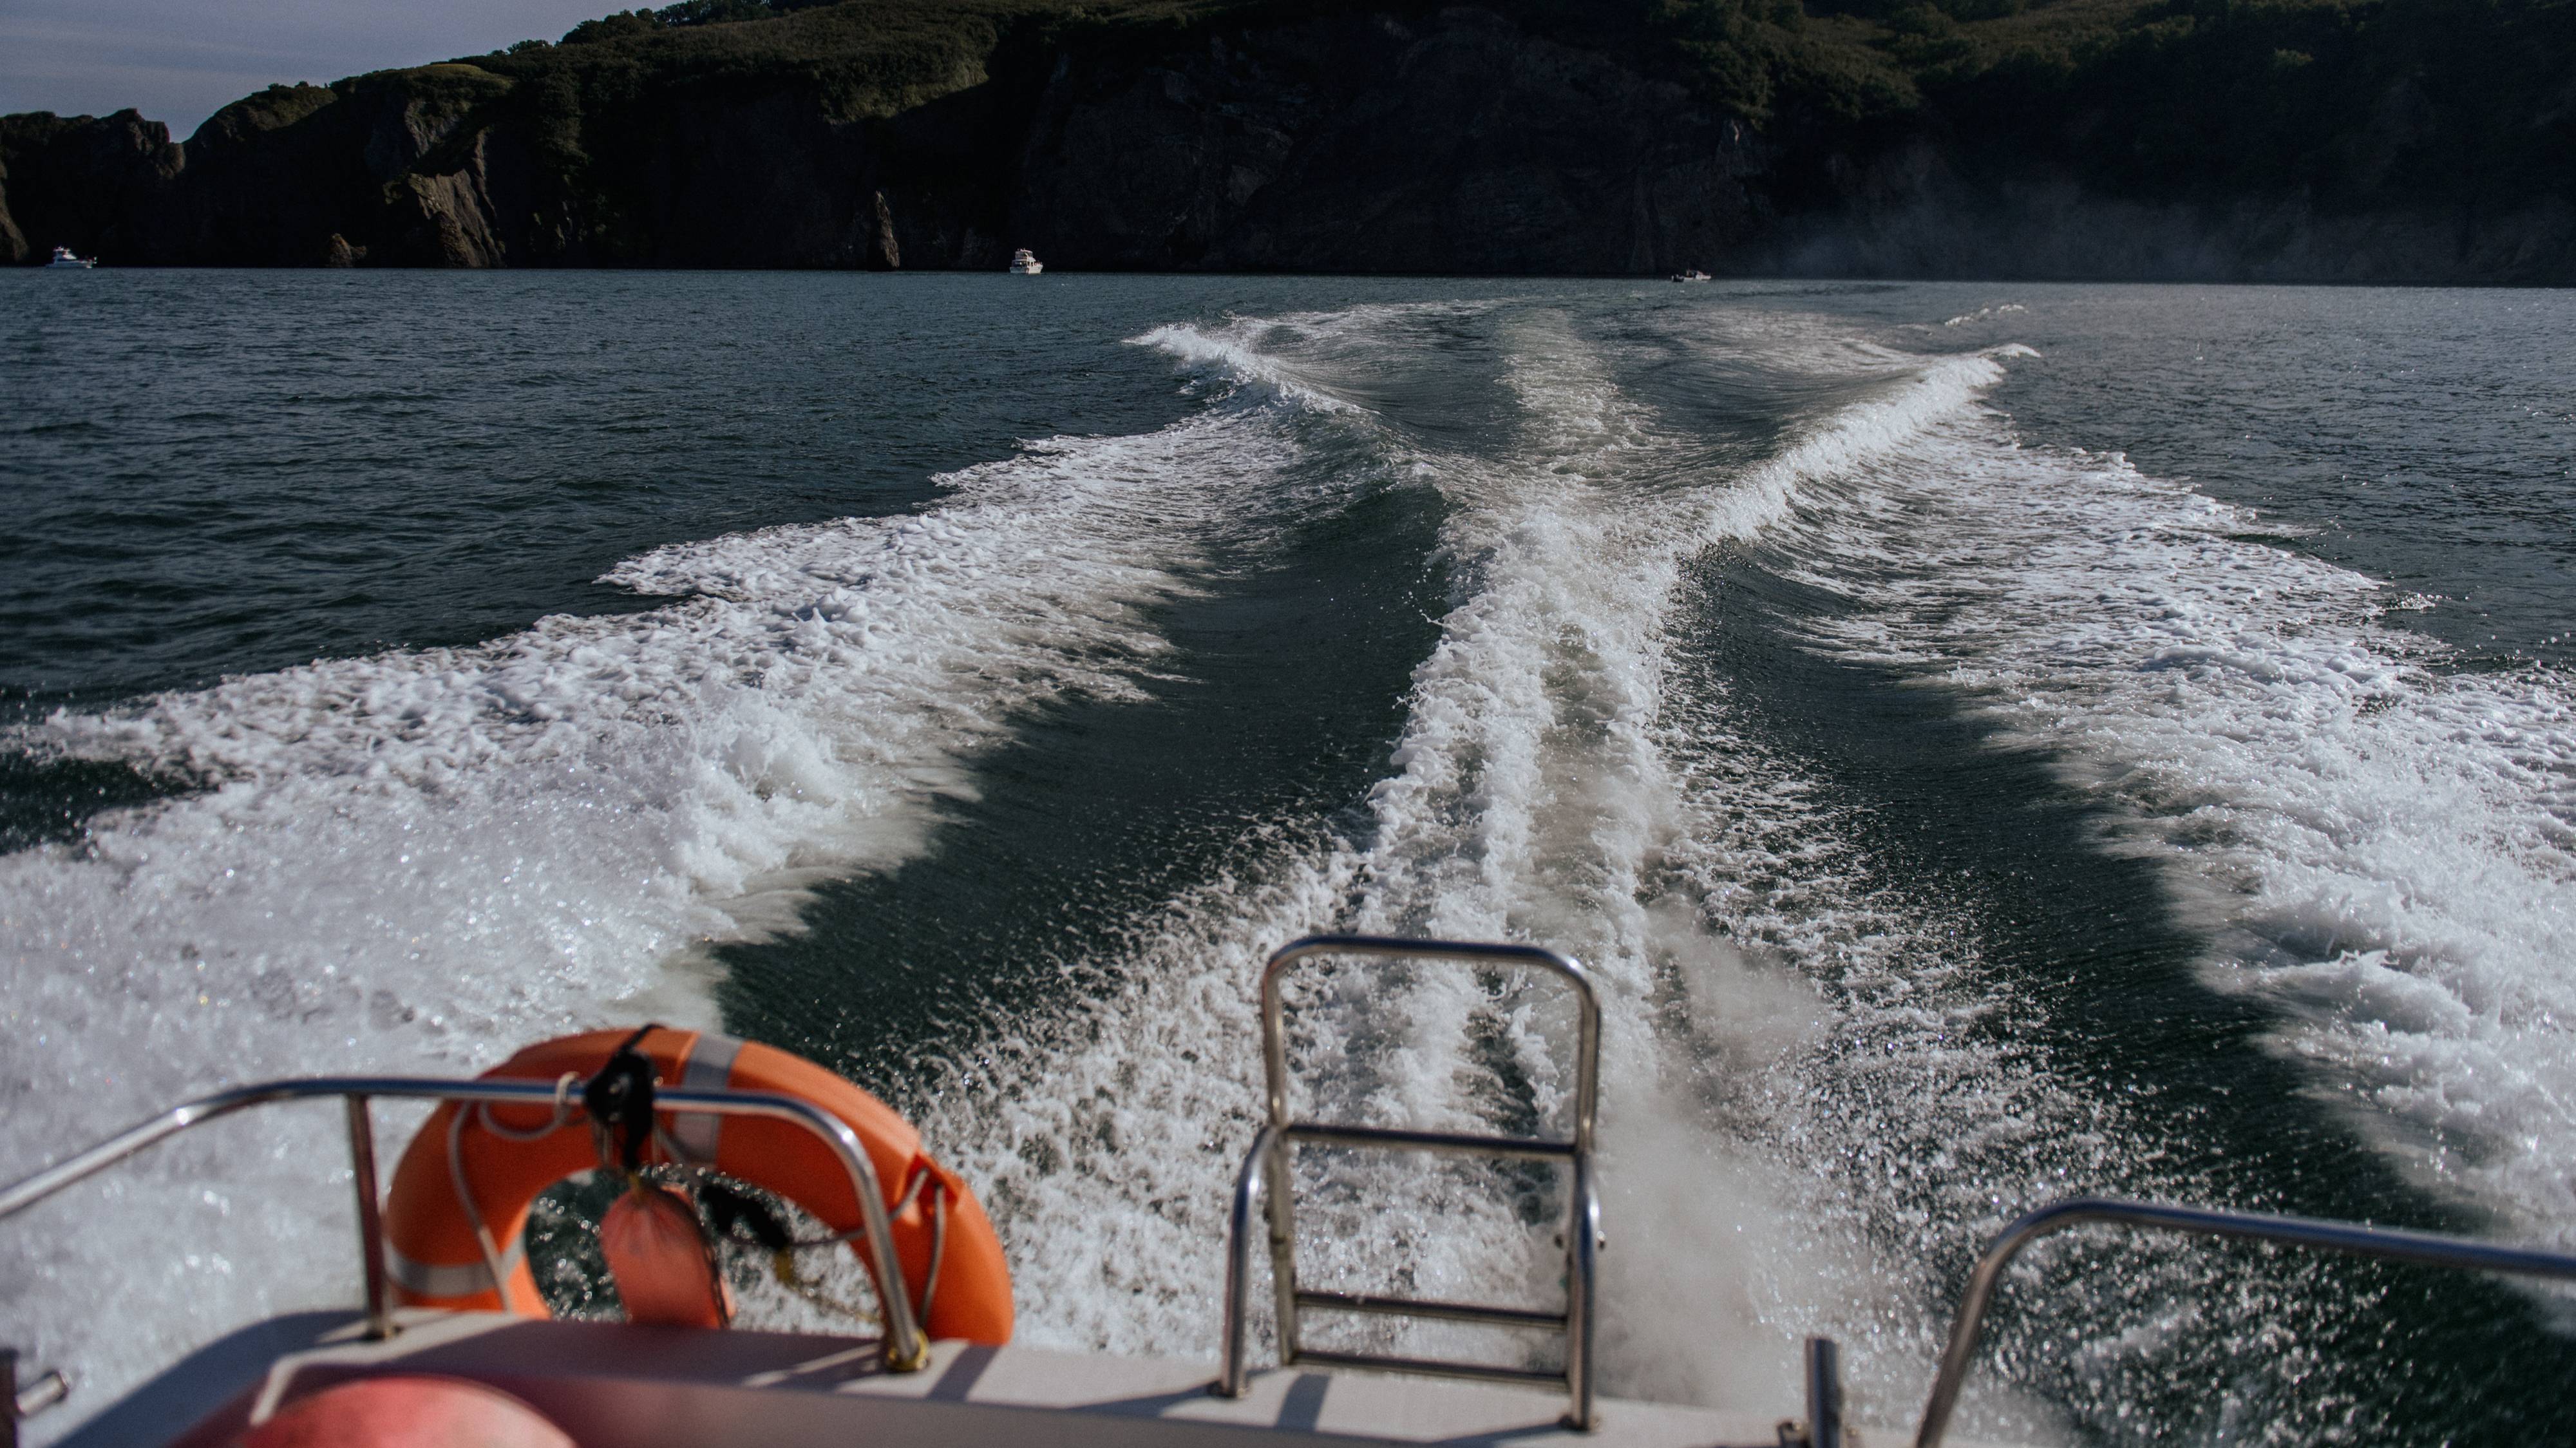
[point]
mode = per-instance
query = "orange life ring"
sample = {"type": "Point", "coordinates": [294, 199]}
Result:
{"type": "Point", "coordinates": [470, 1162]}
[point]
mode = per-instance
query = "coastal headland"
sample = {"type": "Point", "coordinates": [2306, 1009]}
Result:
{"type": "Point", "coordinates": [2301, 140]}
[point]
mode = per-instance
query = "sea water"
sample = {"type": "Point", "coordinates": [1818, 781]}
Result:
{"type": "Point", "coordinates": [1990, 742]}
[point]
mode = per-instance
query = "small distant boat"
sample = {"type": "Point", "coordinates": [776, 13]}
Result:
{"type": "Point", "coordinates": [63, 258]}
{"type": "Point", "coordinates": [1692, 274]}
{"type": "Point", "coordinates": [1025, 263]}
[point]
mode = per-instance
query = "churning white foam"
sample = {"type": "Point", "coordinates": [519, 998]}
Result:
{"type": "Point", "coordinates": [2385, 850]}
{"type": "Point", "coordinates": [1550, 783]}
{"type": "Point", "coordinates": [1806, 1077]}
{"type": "Point", "coordinates": [1986, 314]}
{"type": "Point", "coordinates": [425, 858]}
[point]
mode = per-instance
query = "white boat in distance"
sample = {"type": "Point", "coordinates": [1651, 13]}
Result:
{"type": "Point", "coordinates": [1025, 263]}
{"type": "Point", "coordinates": [1692, 274]}
{"type": "Point", "coordinates": [63, 258]}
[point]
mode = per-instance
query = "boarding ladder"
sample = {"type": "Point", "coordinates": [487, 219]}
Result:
{"type": "Point", "coordinates": [1265, 1179]}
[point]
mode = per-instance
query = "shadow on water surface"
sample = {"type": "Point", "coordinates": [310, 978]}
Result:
{"type": "Point", "coordinates": [2089, 936]}
{"type": "Point", "coordinates": [52, 801]}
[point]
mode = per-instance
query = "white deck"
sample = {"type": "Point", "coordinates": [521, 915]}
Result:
{"type": "Point", "coordinates": [634, 1387]}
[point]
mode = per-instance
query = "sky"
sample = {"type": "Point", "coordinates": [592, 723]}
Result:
{"type": "Point", "coordinates": [178, 61]}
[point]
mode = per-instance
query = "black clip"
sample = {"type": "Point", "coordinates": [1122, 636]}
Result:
{"type": "Point", "coordinates": [620, 1102]}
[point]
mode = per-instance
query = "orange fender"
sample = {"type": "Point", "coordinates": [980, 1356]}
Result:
{"type": "Point", "coordinates": [435, 1259]}
{"type": "Point", "coordinates": [407, 1412]}
{"type": "Point", "coordinates": [657, 1255]}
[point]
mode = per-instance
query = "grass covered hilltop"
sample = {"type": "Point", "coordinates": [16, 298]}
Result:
{"type": "Point", "coordinates": [2294, 139]}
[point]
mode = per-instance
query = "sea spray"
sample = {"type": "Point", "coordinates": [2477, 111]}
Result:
{"type": "Point", "coordinates": [2384, 849]}
{"type": "Point", "coordinates": [422, 859]}
{"type": "Point", "coordinates": [1829, 1073]}
{"type": "Point", "coordinates": [1530, 796]}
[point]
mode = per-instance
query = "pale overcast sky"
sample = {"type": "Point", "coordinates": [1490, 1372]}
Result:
{"type": "Point", "coordinates": [179, 60]}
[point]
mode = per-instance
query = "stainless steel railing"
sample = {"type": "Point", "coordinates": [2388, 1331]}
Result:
{"type": "Point", "coordinates": [2057, 1216]}
{"type": "Point", "coordinates": [903, 1339]}
{"type": "Point", "coordinates": [17, 1404]}
{"type": "Point", "coordinates": [1263, 1187]}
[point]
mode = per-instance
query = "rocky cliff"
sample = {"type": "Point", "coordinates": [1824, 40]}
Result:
{"type": "Point", "coordinates": [1458, 140]}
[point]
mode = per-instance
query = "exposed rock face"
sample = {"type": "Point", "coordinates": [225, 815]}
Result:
{"type": "Point", "coordinates": [295, 176]}
{"type": "Point", "coordinates": [82, 182]}
{"type": "Point", "coordinates": [1447, 143]}
{"type": "Point", "coordinates": [1358, 143]}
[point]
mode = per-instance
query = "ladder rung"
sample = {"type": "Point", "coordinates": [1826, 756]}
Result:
{"type": "Point", "coordinates": [1531, 1148]}
{"type": "Point", "coordinates": [1423, 1307]}
{"type": "Point", "coordinates": [1486, 1371]}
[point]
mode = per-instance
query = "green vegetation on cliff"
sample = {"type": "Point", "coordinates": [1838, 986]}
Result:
{"type": "Point", "coordinates": [2356, 139]}
{"type": "Point", "coordinates": [2341, 102]}
{"type": "Point", "coordinates": [2338, 100]}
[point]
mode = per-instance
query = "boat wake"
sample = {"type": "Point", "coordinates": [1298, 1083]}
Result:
{"type": "Point", "coordinates": [2381, 850]}
{"type": "Point", "coordinates": [1820, 1088]}
{"type": "Point", "coordinates": [1819, 1091]}
{"type": "Point", "coordinates": [419, 860]}
{"type": "Point", "coordinates": [1561, 777]}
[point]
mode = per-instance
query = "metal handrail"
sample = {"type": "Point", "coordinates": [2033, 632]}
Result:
{"type": "Point", "coordinates": [1252, 1188]}
{"type": "Point", "coordinates": [904, 1346]}
{"type": "Point", "coordinates": [1587, 1059]}
{"type": "Point", "coordinates": [2057, 1216]}
{"type": "Point", "coordinates": [1264, 1180]}
{"type": "Point", "coordinates": [1523, 1148]}
{"type": "Point", "coordinates": [1250, 1185]}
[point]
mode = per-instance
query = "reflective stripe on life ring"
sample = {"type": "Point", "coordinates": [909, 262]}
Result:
{"type": "Point", "coordinates": [464, 1164]}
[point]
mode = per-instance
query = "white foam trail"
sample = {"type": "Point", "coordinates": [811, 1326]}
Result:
{"type": "Point", "coordinates": [2386, 851]}
{"type": "Point", "coordinates": [1804, 1075]}
{"type": "Point", "coordinates": [1106, 1151]}
{"type": "Point", "coordinates": [424, 859]}
{"type": "Point", "coordinates": [1553, 787]}
{"type": "Point", "coordinates": [1528, 797]}
{"type": "Point", "coordinates": [1535, 794]}
{"type": "Point", "coordinates": [1985, 314]}
{"type": "Point", "coordinates": [1236, 360]}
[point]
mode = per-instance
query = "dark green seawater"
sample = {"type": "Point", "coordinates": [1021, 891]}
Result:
{"type": "Point", "coordinates": [1990, 742]}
